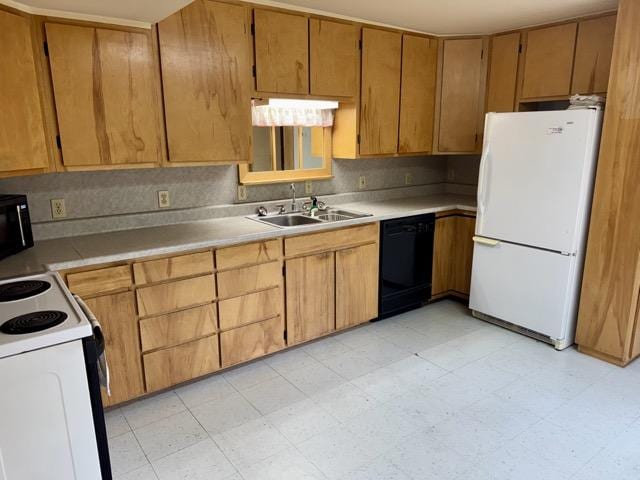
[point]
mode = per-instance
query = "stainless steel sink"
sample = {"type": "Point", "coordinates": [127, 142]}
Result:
{"type": "Point", "coordinates": [299, 218]}
{"type": "Point", "coordinates": [289, 220]}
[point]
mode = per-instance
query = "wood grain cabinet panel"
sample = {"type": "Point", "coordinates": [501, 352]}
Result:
{"type": "Point", "coordinates": [503, 73]}
{"type": "Point", "coordinates": [22, 138]}
{"type": "Point", "coordinates": [206, 74]}
{"type": "Point", "coordinates": [172, 267]}
{"type": "Point", "coordinates": [179, 327]}
{"type": "Point", "coordinates": [310, 297]}
{"type": "Point", "coordinates": [281, 52]}
{"type": "Point", "coordinates": [165, 368]}
{"type": "Point", "coordinates": [463, 257]}
{"type": "Point", "coordinates": [356, 285]}
{"type": "Point", "coordinates": [443, 251]}
{"type": "Point", "coordinates": [334, 239]}
{"type": "Point", "coordinates": [594, 46]}
{"type": "Point", "coordinates": [251, 341]}
{"type": "Point", "coordinates": [168, 297]}
{"type": "Point", "coordinates": [100, 281]}
{"type": "Point", "coordinates": [380, 91]}
{"type": "Point", "coordinates": [233, 283]}
{"type": "Point", "coordinates": [249, 254]}
{"type": "Point", "coordinates": [549, 61]}
{"type": "Point", "coordinates": [461, 95]}
{"type": "Point", "coordinates": [334, 58]}
{"type": "Point", "coordinates": [418, 93]}
{"type": "Point", "coordinates": [107, 96]}
{"type": "Point", "coordinates": [238, 311]}
{"type": "Point", "coordinates": [117, 314]}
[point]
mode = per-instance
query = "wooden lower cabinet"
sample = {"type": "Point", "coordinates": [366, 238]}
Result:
{"type": "Point", "coordinates": [117, 314]}
{"type": "Point", "coordinates": [310, 296]}
{"type": "Point", "coordinates": [167, 367]}
{"type": "Point", "coordinates": [252, 341]}
{"type": "Point", "coordinates": [356, 285]}
{"type": "Point", "coordinates": [452, 255]}
{"type": "Point", "coordinates": [178, 327]}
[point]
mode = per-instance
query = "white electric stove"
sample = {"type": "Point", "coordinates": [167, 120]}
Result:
{"type": "Point", "coordinates": [52, 423]}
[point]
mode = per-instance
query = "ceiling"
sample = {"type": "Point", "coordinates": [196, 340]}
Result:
{"type": "Point", "coordinates": [441, 17]}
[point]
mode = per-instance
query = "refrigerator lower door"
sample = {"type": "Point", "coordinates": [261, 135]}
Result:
{"type": "Point", "coordinates": [525, 286]}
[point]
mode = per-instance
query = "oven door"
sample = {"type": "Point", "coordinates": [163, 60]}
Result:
{"type": "Point", "coordinates": [15, 227]}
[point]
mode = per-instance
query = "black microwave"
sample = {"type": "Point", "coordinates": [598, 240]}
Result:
{"type": "Point", "coordinates": [15, 225]}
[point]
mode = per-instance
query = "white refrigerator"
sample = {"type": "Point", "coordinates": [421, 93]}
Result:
{"type": "Point", "coordinates": [534, 199]}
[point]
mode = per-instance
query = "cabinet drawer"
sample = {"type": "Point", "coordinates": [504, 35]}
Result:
{"type": "Point", "coordinates": [176, 295]}
{"type": "Point", "coordinates": [170, 366]}
{"type": "Point", "coordinates": [259, 252]}
{"type": "Point", "coordinates": [238, 311]}
{"type": "Point", "coordinates": [233, 283]}
{"type": "Point", "coordinates": [251, 341]}
{"type": "Point", "coordinates": [172, 267]}
{"type": "Point", "coordinates": [179, 327]}
{"type": "Point", "coordinates": [100, 281]}
{"type": "Point", "coordinates": [334, 239]}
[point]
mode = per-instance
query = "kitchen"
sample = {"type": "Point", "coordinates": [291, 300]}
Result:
{"type": "Point", "coordinates": [313, 240]}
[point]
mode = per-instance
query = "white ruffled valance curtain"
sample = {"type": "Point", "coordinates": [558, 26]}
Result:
{"type": "Point", "coordinates": [270, 116]}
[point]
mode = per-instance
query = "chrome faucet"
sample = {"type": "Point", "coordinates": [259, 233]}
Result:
{"type": "Point", "coordinates": [292, 187]}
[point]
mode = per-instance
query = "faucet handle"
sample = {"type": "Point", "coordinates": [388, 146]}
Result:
{"type": "Point", "coordinates": [281, 209]}
{"type": "Point", "coordinates": [262, 211]}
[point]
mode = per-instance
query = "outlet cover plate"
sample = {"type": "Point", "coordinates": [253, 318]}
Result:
{"type": "Point", "coordinates": [408, 179]}
{"type": "Point", "coordinates": [362, 182]}
{"type": "Point", "coordinates": [308, 187]}
{"type": "Point", "coordinates": [164, 200]}
{"type": "Point", "coordinates": [58, 208]}
{"type": "Point", "coordinates": [242, 192]}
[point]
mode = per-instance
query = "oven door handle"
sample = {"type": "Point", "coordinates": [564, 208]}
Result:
{"type": "Point", "coordinates": [24, 243]}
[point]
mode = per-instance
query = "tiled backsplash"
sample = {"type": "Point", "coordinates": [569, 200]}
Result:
{"type": "Point", "coordinates": [112, 200]}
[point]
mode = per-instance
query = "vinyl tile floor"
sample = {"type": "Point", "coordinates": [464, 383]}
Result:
{"type": "Point", "coordinates": [429, 394]}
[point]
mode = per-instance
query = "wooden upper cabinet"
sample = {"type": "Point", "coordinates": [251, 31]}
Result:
{"type": "Point", "coordinates": [549, 61]}
{"type": "Point", "coordinates": [22, 138]}
{"type": "Point", "coordinates": [107, 96]}
{"type": "Point", "coordinates": [594, 46]}
{"type": "Point", "coordinates": [380, 93]}
{"type": "Point", "coordinates": [461, 95]}
{"type": "Point", "coordinates": [281, 52]}
{"type": "Point", "coordinates": [418, 93]}
{"type": "Point", "coordinates": [334, 58]}
{"type": "Point", "coordinates": [206, 55]}
{"type": "Point", "coordinates": [503, 73]}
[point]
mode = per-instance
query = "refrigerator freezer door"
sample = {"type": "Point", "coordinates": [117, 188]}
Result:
{"type": "Point", "coordinates": [536, 176]}
{"type": "Point", "coordinates": [524, 286]}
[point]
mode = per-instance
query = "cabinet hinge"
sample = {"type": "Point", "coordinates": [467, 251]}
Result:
{"type": "Point", "coordinates": [58, 142]}
{"type": "Point", "coordinates": [253, 70]}
{"type": "Point", "coordinates": [45, 47]}
{"type": "Point", "coordinates": [360, 44]}
{"type": "Point", "coordinates": [285, 335]}
{"type": "Point", "coordinates": [284, 270]}
{"type": "Point", "coordinates": [358, 139]}
{"type": "Point", "coordinates": [253, 28]}
{"type": "Point", "coordinates": [520, 48]}
{"type": "Point", "coordinates": [476, 138]}
{"type": "Point", "coordinates": [481, 54]}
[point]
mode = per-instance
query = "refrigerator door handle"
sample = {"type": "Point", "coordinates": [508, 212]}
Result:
{"type": "Point", "coordinates": [482, 187]}
{"type": "Point", "coordinates": [486, 241]}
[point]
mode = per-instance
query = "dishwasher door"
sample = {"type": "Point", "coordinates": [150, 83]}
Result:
{"type": "Point", "coordinates": [406, 255]}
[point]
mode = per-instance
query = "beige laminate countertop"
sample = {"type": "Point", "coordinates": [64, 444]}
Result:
{"type": "Point", "coordinates": [72, 252]}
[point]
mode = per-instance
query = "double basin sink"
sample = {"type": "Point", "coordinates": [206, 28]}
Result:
{"type": "Point", "coordinates": [297, 219]}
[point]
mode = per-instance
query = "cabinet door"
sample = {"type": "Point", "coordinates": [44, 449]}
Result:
{"type": "Point", "coordinates": [206, 74]}
{"type": "Point", "coordinates": [22, 139]}
{"type": "Point", "coordinates": [549, 61]}
{"type": "Point", "coordinates": [463, 254]}
{"type": "Point", "coordinates": [593, 55]}
{"type": "Point", "coordinates": [356, 285]}
{"type": "Point", "coordinates": [106, 96]}
{"type": "Point", "coordinates": [460, 95]}
{"type": "Point", "coordinates": [418, 93]}
{"type": "Point", "coordinates": [117, 315]}
{"type": "Point", "coordinates": [282, 52]}
{"type": "Point", "coordinates": [443, 251]}
{"type": "Point", "coordinates": [334, 58]}
{"type": "Point", "coordinates": [380, 107]}
{"type": "Point", "coordinates": [503, 73]}
{"type": "Point", "coordinates": [310, 287]}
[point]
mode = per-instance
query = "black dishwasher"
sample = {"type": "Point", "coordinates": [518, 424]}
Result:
{"type": "Point", "coordinates": [406, 256]}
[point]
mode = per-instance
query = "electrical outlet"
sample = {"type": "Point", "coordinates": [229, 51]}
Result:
{"type": "Point", "coordinates": [164, 201]}
{"type": "Point", "coordinates": [58, 208]}
{"type": "Point", "coordinates": [408, 179]}
{"type": "Point", "coordinates": [362, 182]}
{"type": "Point", "coordinates": [308, 187]}
{"type": "Point", "coordinates": [242, 192]}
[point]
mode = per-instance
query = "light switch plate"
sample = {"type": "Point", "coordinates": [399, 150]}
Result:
{"type": "Point", "coordinates": [164, 200]}
{"type": "Point", "coordinates": [308, 187]}
{"type": "Point", "coordinates": [408, 179]}
{"type": "Point", "coordinates": [242, 192]}
{"type": "Point", "coordinates": [58, 208]}
{"type": "Point", "coordinates": [362, 182]}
